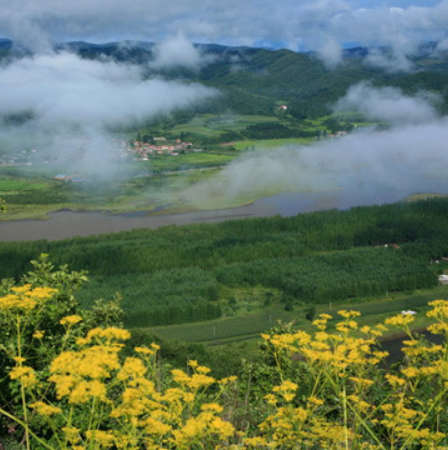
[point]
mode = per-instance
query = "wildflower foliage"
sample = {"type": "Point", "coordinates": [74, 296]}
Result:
{"type": "Point", "coordinates": [89, 396]}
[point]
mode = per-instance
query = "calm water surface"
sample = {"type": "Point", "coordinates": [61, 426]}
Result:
{"type": "Point", "coordinates": [359, 187]}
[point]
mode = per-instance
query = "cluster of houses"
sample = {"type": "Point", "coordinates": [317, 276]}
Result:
{"type": "Point", "coordinates": [160, 146]}
{"type": "Point", "coordinates": [23, 158]}
{"type": "Point", "coordinates": [338, 134]}
{"type": "Point", "coordinates": [64, 177]}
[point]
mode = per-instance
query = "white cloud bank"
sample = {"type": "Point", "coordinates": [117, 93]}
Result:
{"type": "Point", "coordinates": [367, 166]}
{"type": "Point", "coordinates": [64, 88]}
{"type": "Point", "coordinates": [389, 104]}
{"type": "Point", "coordinates": [68, 99]}
{"type": "Point", "coordinates": [176, 52]}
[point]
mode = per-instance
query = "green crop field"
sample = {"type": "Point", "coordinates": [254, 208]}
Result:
{"type": "Point", "coordinates": [250, 326]}
{"type": "Point", "coordinates": [9, 184]}
{"type": "Point", "coordinates": [212, 125]}
{"type": "Point", "coordinates": [223, 329]}
{"type": "Point", "coordinates": [272, 143]}
{"type": "Point", "coordinates": [187, 161]}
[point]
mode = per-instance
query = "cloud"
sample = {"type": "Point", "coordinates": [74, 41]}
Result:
{"type": "Point", "coordinates": [368, 166]}
{"type": "Point", "coordinates": [308, 24]}
{"type": "Point", "coordinates": [175, 52]}
{"type": "Point", "coordinates": [331, 53]}
{"type": "Point", "coordinates": [64, 88]}
{"type": "Point", "coordinates": [392, 63]}
{"type": "Point", "coordinates": [68, 99]}
{"type": "Point", "coordinates": [389, 104]}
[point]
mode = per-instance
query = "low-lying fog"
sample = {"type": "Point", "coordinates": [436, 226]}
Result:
{"type": "Point", "coordinates": [410, 156]}
{"type": "Point", "coordinates": [60, 104]}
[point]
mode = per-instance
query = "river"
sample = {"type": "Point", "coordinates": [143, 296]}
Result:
{"type": "Point", "coordinates": [358, 187]}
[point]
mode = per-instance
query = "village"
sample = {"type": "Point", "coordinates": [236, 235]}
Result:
{"type": "Point", "coordinates": [136, 149]}
{"type": "Point", "coordinates": [159, 145]}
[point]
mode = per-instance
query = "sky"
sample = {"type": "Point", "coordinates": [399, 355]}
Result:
{"type": "Point", "coordinates": [321, 25]}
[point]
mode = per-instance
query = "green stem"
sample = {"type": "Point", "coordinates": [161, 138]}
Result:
{"type": "Point", "coordinates": [22, 387]}
{"type": "Point", "coordinates": [25, 426]}
{"type": "Point", "coordinates": [344, 403]}
{"type": "Point", "coordinates": [411, 436]}
{"type": "Point", "coordinates": [365, 426]}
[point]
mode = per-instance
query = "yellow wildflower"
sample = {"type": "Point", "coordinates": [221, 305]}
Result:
{"type": "Point", "coordinates": [400, 320]}
{"type": "Point", "coordinates": [321, 324]}
{"type": "Point", "coordinates": [41, 293]}
{"type": "Point", "coordinates": [132, 368]}
{"type": "Point", "coordinates": [24, 374]}
{"type": "Point", "coordinates": [19, 359]}
{"type": "Point", "coordinates": [315, 401]}
{"type": "Point", "coordinates": [410, 372]}
{"type": "Point", "coordinates": [325, 316]}
{"type": "Point", "coordinates": [202, 369]}
{"type": "Point", "coordinates": [144, 350]}
{"type": "Point", "coordinates": [227, 380]}
{"type": "Point", "coordinates": [394, 380]}
{"type": "Point", "coordinates": [38, 334]}
{"type": "Point", "coordinates": [70, 320]}
{"type": "Point", "coordinates": [44, 409]}
{"type": "Point", "coordinates": [214, 407]}
{"type": "Point", "coordinates": [102, 438]}
{"type": "Point", "coordinates": [349, 314]}
{"type": "Point", "coordinates": [271, 399]}
{"type": "Point", "coordinates": [21, 289]}
{"type": "Point", "coordinates": [156, 427]}
{"type": "Point", "coordinates": [108, 334]}
{"type": "Point", "coordinates": [11, 301]}
{"type": "Point", "coordinates": [72, 434]}
{"type": "Point", "coordinates": [86, 390]}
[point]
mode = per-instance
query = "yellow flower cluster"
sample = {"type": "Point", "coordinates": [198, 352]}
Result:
{"type": "Point", "coordinates": [339, 397]}
{"type": "Point", "coordinates": [45, 409]}
{"type": "Point", "coordinates": [70, 320]}
{"type": "Point", "coordinates": [80, 375]}
{"type": "Point", "coordinates": [25, 298]}
{"type": "Point", "coordinates": [93, 378]}
{"type": "Point", "coordinates": [24, 374]}
{"type": "Point", "coordinates": [343, 408]}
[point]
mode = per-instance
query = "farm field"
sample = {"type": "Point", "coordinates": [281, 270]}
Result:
{"type": "Point", "coordinates": [222, 331]}
{"type": "Point", "coordinates": [249, 327]}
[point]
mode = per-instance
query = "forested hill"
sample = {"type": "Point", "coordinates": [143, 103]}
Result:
{"type": "Point", "coordinates": [183, 274]}
{"type": "Point", "coordinates": [255, 80]}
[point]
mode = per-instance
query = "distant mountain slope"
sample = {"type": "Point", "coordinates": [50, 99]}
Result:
{"type": "Point", "coordinates": [254, 80]}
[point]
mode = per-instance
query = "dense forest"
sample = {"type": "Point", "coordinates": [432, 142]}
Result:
{"type": "Point", "coordinates": [310, 259]}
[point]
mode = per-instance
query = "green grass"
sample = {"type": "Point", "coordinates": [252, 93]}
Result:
{"type": "Point", "coordinates": [187, 161]}
{"type": "Point", "coordinates": [272, 143]}
{"type": "Point", "coordinates": [215, 125]}
{"type": "Point", "coordinates": [249, 326]}
{"type": "Point", "coordinates": [18, 185]}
